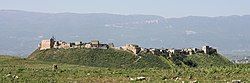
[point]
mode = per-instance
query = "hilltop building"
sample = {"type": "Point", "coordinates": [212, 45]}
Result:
{"type": "Point", "coordinates": [61, 44]}
{"type": "Point", "coordinates": [208, 50]}
{"type": "Point", "coordinates": [47, 44]}
{"type": "Point", "coordinates": [96, 44]}
{"type": "Point", "coordinates": [135, 49]}
{"type": "Point", "coordinates": [132, 47]}
{"type": "Point", "coordinates": [52, 43]}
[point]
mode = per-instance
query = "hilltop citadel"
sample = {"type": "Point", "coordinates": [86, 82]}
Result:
{"type": "Point", "coordinates": [136, 49]}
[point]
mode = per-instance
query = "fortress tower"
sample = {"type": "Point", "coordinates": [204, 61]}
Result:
{"type": "Point", "coordinates": [47, 44]}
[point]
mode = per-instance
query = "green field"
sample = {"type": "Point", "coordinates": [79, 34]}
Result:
{"type": "Point", "coordinates": [116, 66]}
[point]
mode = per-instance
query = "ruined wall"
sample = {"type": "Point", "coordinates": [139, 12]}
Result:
{"type": "Point", "coordinates": [133, 48]}
{"type": "Point", "coordinates": [209, 50]}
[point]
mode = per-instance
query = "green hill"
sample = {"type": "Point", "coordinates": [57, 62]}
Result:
{"type": "Point", "coordinates": [22, 70]}
{"type": "Point", "coordinates": [99, 58]}
{"type": "Point", "coordinates": [201, 60]}
{"type": "Point", "coordinates": [122, 59]}
{"type": "Point", "coordinates": [204, 60]}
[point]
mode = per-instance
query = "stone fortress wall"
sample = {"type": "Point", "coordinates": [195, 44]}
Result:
{"type": "Point", "coordinates": [133, 48]}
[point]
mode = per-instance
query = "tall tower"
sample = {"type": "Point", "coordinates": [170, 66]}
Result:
{"type": "Point", "coordinates": [47, 44]}
{"type": "Point", "coordinates": [205, 49]}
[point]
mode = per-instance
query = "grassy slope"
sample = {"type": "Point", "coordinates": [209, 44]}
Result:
{"type": "Point", "coordinates": [99, 58]}
{"type": "Point", "coordinates": [121, 59]}
{"type": "Point", "coordinates": [38, 71]}
{"type": "Point", "coordinates": [202, 60]}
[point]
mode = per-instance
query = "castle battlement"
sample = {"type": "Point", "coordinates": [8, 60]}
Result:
{"type": "Point", "coordinates": [136, 49]}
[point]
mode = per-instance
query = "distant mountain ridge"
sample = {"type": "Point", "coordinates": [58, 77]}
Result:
{"type": "Point", "coordinates": [21, 31]}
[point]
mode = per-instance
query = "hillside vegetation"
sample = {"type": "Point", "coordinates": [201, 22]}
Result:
{"type": "Point", "coordinates": [122, 59]}
{"type": "Point", "coordinates": [202, 60]}
{"type": "Point", "coordinates": [22, 70]}
{"type": "Point", "coordinates": [99, 58]}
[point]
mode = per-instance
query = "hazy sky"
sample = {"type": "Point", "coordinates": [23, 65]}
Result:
{"type": "Point", "coordinates": [166, 8]}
